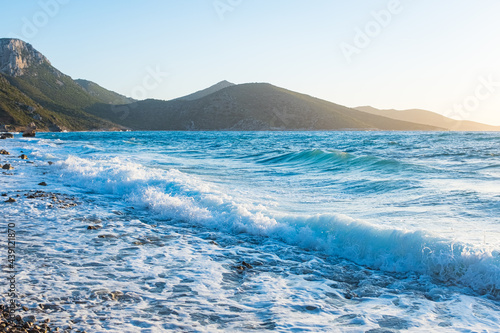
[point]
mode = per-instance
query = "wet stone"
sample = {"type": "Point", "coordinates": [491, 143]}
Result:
{"type": "Point", "coordinates": [93, 227]}
{"type": "Point", "coordinates": [247, 265]}
{"type": "Point", "coordinates": [107, 236]}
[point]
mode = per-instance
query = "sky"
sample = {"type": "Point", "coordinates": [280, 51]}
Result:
{"type": "Point", "coordinates": [442, 56]}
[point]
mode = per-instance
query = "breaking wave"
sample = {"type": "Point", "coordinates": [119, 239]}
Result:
{"type": "Point", "coordinates": [176, 195]}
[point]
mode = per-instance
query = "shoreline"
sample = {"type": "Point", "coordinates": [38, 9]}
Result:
{"type": "Point", "coordinates": [250, 131]}
{"type": "Point", "coordinates": [25, 316]}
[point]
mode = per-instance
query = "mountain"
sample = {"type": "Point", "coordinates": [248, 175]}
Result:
{"type": "Point", "coordinates": [429, 118]}
{"type": "Point", "coordinates": [32, 90]}
{"type": "Point", "coordinates": [208, 91]}
{"type": "Point", "coordinates": [251, 106]}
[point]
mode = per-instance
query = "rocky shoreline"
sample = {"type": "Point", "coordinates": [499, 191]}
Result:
{"type": "Point", "coordinates": [35, 314]}
{"type": "Point", "coordinates": [26, 324]}
{"type": "Point", "coordinates": [25, 319]}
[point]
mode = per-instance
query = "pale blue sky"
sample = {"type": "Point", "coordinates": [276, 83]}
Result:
{"type": "Point", "coordinates": [443, 56]}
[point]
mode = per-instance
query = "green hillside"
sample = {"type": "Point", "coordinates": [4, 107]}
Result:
{"type": "Point", "coordinates": [253, 106]}
{"type": "Point", "coordinates": [18, 110]}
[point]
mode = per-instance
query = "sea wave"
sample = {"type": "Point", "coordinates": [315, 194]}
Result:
{"type": "Point", "coordinates": [338, 160]}
{"type": "Point", "coordinates": [176, 195]}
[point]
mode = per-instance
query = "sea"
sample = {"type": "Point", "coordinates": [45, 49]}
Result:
{"type": "Point", "coordinates": [255, 231]}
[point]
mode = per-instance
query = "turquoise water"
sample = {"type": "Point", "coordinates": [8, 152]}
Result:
{"type": "Point", "coordinates": [349, 231]}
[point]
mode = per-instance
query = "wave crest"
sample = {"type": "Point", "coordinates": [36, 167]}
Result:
{"type": "Point", "coordinates": [176, 195]}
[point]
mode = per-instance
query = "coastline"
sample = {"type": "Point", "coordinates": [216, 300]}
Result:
{"type": "Point", "coordinates": [19, 314]}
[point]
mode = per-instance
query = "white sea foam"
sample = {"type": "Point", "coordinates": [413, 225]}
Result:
{"type": "Point", "coordinates": [176, 195]}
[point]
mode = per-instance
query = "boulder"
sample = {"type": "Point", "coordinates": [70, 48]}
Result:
{"type": "Point", "coordinates": [55, 128]}
{"type": "Point", "coordinates": [4, 152]}
{"type": "Point", "coordinates": [6, 128]}
{"type": "Point", "coordinates": [23, 157]}
{"type": "Point", "coordinates": [30, 131]}
{"type": "Point", "coordinates": [7, 167]}
{"type": "Point", "coordinates": [7, 136]}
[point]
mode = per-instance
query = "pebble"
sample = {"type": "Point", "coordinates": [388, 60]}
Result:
{"type": "Point", "coordinates": [107, 236]}
{"type": "Point", "coordinates": [26, 324]}
{"type": "Point", "coordinates": [93, 227]}
{"type": "Point", "coordinates": [31, 319]}
{"type": "Point", "coordinates": [247, 265]}
{"type": "Point", "coordinates": [243, 266]}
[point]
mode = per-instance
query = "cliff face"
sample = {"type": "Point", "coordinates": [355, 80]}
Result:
{"type": "Point", "coordinates": [17, 56]}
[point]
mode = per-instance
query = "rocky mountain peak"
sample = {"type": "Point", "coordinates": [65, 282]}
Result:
{"type": "Point", "coordinates": [17, 56]}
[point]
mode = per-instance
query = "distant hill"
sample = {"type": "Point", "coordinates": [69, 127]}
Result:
{"type": "Point", "coordinates": [251, 106]}
{"type": "Point", "coordinates": [430, 118]}
{"type": "Point", "coordinates": [208, 91]}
